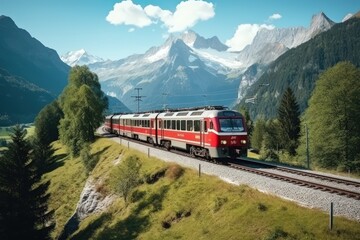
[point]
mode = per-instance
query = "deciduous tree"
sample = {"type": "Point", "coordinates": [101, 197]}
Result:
{"type": "Point", "coordinates": [333, 118]}
{"type": "Point", "coordinates": [83, 104]}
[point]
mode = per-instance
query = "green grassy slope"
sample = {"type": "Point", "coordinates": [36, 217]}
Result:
{"type": "Point", "coordinates": [182, 205]}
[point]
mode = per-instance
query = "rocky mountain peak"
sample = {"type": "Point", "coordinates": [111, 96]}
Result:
{"type": "Point", "coordinates": [320, 22]}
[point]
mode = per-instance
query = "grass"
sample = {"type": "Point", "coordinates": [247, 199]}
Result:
{"type": "Point", "coordinates": [181, 205]}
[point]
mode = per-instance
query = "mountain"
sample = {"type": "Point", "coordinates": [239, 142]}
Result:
{"type": "Point", "coordinates": [80, 57]}
{"type": "Point", "coordinates": [116, 106]}
{"type": "Point", "coordinates": [21, 100]}
{"type": "Point", "coordinates": [300, 67]}
{"type": "Point", "coordinates": [31, 75]}
{"type": "Point", "coordinates": [172, 75]}
{"type": "Point", "coordinates": [269, 44]}
{"type": "Point", "coordinates": [26, 57]}
{"type": "Point", "coordinates": [192, 39]}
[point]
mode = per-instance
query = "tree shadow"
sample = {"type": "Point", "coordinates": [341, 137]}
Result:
{"type": "Point", "coordinates": [132, 226]}
{"type": "Point", "coordinates": [57, 161]}
{"type": "Point", "coordinates": [89, 231]}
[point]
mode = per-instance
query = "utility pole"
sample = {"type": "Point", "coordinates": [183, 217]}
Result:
{"type": "Point", "coordinates": [138, 98]}
{"type": "Point", "coordinates": [307, 147]}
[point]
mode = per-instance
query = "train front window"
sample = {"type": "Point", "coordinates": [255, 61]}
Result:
{"type": "Point", "coordinates": [231, 125]}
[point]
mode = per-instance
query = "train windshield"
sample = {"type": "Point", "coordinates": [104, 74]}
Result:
{"type": "Point", "coordinates": [231, 125]}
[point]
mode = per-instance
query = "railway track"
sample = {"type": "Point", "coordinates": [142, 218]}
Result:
{"type": "Point", "coordinates": [300, 182]}
{"type": "Point", "coordinates": [297, 181]}
{"type": "Point", "coordinates": [308, 174]}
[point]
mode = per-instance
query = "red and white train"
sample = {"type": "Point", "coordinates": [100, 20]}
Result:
{"type": "Point", "coordinates": [210, 132]}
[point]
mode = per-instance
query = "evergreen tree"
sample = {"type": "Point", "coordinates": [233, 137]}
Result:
{"type": "Point", "coordinates": [289, 121]}
{"type": "Point", "coordinates": [84, 105]}
{"type": "Point", "coordinates": [333, 118]}
{"type": "Point", "coordinates": [47, 122]}
{"type": "Point", "coordinates": [23, 213]}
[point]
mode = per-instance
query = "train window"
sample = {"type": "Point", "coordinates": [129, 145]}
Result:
{"type": "Point", "coordinates": [160, 124]}
{"type": "Point", "coordinates": [211, 125]}
{"type": "Point", "coordinates": [189, 124]}
{"type": "Point", "coordinates": [197, 125]}
{"type": "Point", "coordinates": [205, 126]}
{"type": "Point", "coordinates": [183, 125]}
{"type": "Point", "coordinates": [231, 125]}
{"type": "Point", "coordinates": [173, 124]}
{"type": "Point", "coordinates": [168, 124]}
{"type": "Point", "coordinates": [196, 113]}
{"type": "Point", "coordinates": [177, 124]}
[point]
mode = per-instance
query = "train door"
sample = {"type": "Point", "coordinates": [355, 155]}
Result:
{"type": "Point", "coordinates": [151, 127]}
{"type": "Point", "coordinates": [203, 132]}
{"type": "Point", "coordinates": [161, 128]}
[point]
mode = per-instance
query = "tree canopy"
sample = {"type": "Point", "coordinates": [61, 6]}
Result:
{"type": "Point", "coordinates": [333, 118]}
{"type": "Point", "coordinates": [46, 123]}
{"type": "Point", "coordinates": [84, 105]}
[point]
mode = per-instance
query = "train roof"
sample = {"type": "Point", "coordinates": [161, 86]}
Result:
{"type": "Point", "coordinates": [205, 111]}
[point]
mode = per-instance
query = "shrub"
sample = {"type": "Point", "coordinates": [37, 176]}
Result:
{"type": "Point", "coordinates": [174, 171]}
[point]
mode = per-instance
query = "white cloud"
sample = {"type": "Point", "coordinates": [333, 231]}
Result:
{"type": "Point", "coordinates": [187, 14]}
{"type": "Point", "coordinates": [275, 16]}
{"type": "Point", "coordinates": [128, 13]}
{"type": "Point", "coordinates": [244, 36]}
{"type": "Point", "coordinates": [131, 30]}
{"type": "Point", "coordinates": [347, 17]}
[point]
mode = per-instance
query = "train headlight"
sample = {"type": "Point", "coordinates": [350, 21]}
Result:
{"type": "Point", "coordinates": [243, 141]}
{"type": "Point", "coordinates": [223, 142]}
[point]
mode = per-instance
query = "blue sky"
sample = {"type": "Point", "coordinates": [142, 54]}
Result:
{"type": "Point", "coordinates": [116, 29]}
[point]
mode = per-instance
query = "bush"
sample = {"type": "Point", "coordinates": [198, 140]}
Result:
{"type": "Point", "coordinates": [174, 171]}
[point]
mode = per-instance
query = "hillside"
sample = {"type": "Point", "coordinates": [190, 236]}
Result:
{"type": "Point", "coordinates": [300, 67]}
{"type": "Point", "coordinates": [23, 99]}
{"type": "Point", "coordinates": [25, 56]}
{"type": "Point", "coordinates": [173, 202]}
{"type": "Point", "coordinates": [32, 75]}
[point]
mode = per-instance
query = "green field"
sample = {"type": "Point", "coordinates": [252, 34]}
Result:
{"type": "Point", "coordinates": [180, 204]}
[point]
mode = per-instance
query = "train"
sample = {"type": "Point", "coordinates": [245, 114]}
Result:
{"type": "Point", "coordinates": [211, 132]}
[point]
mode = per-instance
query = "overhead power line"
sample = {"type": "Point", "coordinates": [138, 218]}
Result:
{"type": "Point", "coordinates": [138, 98]}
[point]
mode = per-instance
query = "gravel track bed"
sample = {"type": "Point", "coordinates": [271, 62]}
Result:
{"type": "Point", "coordinates": [315, 180]}
{"type": "Point", "coordinates": [343, 206]}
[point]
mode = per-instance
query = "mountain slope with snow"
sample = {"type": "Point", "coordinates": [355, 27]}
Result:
{"type": "Point", "coordinates": [190, 70]}
{"type": "Point", "coordinates": [173, 74]}
{"type": "Point", "coordinates": [80, 57]}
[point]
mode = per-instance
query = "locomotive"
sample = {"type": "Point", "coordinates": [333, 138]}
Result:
{"type": "Point", "coordinates": [211, 132]}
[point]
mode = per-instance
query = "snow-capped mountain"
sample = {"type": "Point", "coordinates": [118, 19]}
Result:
{"type": "Point", "coordinates": [268, 45]}
{"type": "Point", "coordinates": [190, 70]}
{"type": "Point", "coordinates": [80, 57]}
{"type": "Point", "coordinates": [173, 74]}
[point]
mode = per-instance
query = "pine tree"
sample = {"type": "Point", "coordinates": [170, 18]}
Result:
{"type": "Point", "coordinates": [289, 120]}
{"type": "Point", "coordinates": [23, 198]}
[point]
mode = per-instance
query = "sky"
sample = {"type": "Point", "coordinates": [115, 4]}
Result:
{"type": "Point", "coordinates": [116, 29]}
